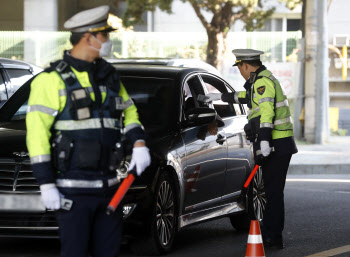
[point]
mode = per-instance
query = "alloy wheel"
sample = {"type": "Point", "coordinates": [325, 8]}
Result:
{"type": "Point", "coordinates": [165, 213]}
{"type": "Point", "coordinates": [259, 197]}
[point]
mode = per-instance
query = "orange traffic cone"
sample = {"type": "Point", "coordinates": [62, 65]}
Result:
{"type": "Point", "coordinates": [255, 246]}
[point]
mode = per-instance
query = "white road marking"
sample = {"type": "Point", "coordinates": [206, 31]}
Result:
{"type": "Point", "coordinates": [318, 180]}
{"type": "Point", "coordinates": [332, 252]}
{"type": "Point", "coordinates": [342, 192]}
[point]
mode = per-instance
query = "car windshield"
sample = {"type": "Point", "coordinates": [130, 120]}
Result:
{"type": "Point", "coordinates": [155, 98]}
{"type": "Point", "coordinates": [156, 101]}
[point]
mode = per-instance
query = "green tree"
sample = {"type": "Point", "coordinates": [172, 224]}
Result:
{"type": "Point", "coordinates": [224, 14]}
{"type": "Point", "coordinates": [292, 4]}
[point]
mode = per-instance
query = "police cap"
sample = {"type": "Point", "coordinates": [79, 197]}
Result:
{"type": "Point", "coordinates": [91, 20]}
{"type": "Point", "coordinates": [246, 55]}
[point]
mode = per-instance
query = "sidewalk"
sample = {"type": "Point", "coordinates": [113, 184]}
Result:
{"type": "Point", "coordinates": [331, 158]}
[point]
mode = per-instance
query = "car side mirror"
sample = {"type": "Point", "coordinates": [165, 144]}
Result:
{"type": "Point", "coordinates": [200, 116]}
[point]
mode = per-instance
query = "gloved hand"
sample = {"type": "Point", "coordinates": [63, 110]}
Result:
{"type": "Point", "coordinates": [141, 158]}
{"type": "Point", "coordinates": [50, 196]}
{"type": "Point", "coordinates": [265, 148]}
{"type": "Point", "coordinates": [209, 97]}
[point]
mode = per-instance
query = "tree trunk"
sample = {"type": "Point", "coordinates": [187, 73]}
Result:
{"type": "Point", "coordinates": [216, 48]}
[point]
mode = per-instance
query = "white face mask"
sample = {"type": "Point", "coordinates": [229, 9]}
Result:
{"type": "Point", "coordinates": [106, 48]}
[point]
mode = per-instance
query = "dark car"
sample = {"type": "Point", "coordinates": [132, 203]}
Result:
{"type": "Point", "coordinates": [195, 175]}
{"type": "Point", "coordinates": [13, 74]}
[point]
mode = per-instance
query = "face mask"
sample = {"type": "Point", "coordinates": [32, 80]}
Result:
{"type": "Point", "coordinates": [105, 49]}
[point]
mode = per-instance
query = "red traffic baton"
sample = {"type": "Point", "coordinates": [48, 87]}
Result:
{"type": "Point", "coordinates": [118, 196]}
{"type": "Point", "coordinates": [251, 176]}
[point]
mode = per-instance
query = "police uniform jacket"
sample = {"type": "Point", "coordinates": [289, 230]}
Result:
{"type": "Point", "coordinates": [269, 104]}
{"type": "Point", "coordinates": [89, 141]}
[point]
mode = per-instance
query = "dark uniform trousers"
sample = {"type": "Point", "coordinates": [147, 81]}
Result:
{"type": "Point", "coordinates": [274, 172]}
{"type": "Point", "coordinates": [87, 226]}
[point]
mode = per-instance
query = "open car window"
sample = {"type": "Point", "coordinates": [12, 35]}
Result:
{"type": "Point", "coordinates": [192, 87]}
{"type": "Point", "coordinates": [215, 85]}
{"type": "Point", "coordinates": [156, 101]}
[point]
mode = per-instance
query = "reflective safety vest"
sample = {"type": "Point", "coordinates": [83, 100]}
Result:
{"type": "Point", "coordinates": [65, 121]}
{"type": "Point", "coordinates": [269, 101]}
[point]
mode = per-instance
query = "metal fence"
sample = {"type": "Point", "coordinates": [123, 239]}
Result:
{"type": "Point", "coordinates": [41, 48]}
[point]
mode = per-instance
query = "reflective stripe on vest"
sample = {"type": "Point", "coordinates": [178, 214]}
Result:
{"type": "Point", "coordinates": [43, 109]}
{"type": "Point", "coordinates": [85, 124]}
{"type": "Point", "coordinates": [75, 183]}
{"type": "Point", "coordinates": [283, 121]}
{"type": "Point", "coordinates": [266, 125]}
{"type": "Point", "coordinates": [256, 109]}
{"type": "Point", "coordinates": [266, 99]}
{"type": "Point", "coordinates": [40, 158]}
{"type": "Point", "coordinates": [282, 104]}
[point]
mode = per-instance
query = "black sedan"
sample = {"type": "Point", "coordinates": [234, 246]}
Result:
{"type": "Point", "coordinates": [200, 160]}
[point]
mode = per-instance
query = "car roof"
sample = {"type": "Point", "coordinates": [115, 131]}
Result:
{"type": "Point", "coordinates": [16, 64]}
{"type": "Point", "coordinates": [156, 71]}
{"type": "Point", "coordinates": [175, 62]}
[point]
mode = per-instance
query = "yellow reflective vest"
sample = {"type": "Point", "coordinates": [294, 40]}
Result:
{"type": "Point", "coordinates": [269, 101]}
{"type": "Point", "coordinates": [46, 101]}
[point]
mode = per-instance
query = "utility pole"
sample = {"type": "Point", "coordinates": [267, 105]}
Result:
{"type": "Point", "coordinates": [316, 72]}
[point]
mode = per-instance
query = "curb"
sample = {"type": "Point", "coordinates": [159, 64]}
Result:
{"type": "Point", "coordinates": [343, 168]}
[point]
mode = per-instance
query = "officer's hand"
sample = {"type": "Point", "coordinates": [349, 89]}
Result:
{"type": "Point", "coordinates": [50, 196]}
{"type": "Point", "coordinates": [265, 148]}
{"type": "Point", "coordinates": [209, 97]}
{"type": "Point", "coordinates": [141, 158]}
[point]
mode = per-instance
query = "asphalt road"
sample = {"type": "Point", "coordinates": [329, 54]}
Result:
{"type": "Point", "coordinates": [317, 219]}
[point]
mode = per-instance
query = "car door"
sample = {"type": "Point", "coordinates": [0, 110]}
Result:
{"type": "Point", "coordinates": [238, 154]}
{"type": "Point", "coordinates": [206, 155]}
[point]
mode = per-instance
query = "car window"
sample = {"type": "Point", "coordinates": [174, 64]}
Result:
{"type": "Point", "coordinates": [156, 101]}
{"type": "Point", "coordinates": [3, 95]}
{"type": "Point", "coordinates": [17, 77]}
{"type": "Point", "coordinates": [192, 87]}
{"type": "Point", "coordinates": [21, 112]}
{"type": "Point", "coordinates": [215, 85]}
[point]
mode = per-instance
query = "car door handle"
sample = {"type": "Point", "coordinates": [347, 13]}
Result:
{"type": "Point", "coordinates": [220, 139]}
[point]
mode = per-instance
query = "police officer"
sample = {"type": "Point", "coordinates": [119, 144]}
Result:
{"type": "Point", "coordinates": [74, 134]}
{"type": "Point", "coordinates": [269, 127]}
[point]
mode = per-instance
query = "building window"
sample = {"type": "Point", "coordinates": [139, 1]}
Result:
{"type": "Point", "coordinates": [293, 25]}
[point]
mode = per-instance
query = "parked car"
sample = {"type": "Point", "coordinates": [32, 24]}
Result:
{"type": "Point", "coordinates": [194, 176]}
{"type": "Point", "coordinates": [13, 74]}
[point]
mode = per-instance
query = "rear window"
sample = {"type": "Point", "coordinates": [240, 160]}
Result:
{"type": "Point", "coordinates": [156, 100]}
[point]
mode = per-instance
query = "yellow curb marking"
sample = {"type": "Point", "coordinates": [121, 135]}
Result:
{"type": "Point", "coordinates": [332, 252]}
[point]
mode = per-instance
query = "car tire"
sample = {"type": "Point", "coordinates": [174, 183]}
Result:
{"type": "Point", "coordinates": [255, 202]}
{"type": "Point", "coordinates": [163, 221]}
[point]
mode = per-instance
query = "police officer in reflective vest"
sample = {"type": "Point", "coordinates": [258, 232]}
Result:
{"type": "Point", "coordinates": [74, 134]}
{"type": "Point", "coordinates": [270, 128]}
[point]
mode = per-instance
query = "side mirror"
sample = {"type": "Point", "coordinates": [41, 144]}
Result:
{"type": "Point", "coordinates": [200, 116]}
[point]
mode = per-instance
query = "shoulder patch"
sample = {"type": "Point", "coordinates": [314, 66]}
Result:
{"type": "Point", "coordinates": [261, 90]}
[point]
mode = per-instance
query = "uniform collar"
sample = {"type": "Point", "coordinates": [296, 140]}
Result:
{"type": "Point", "coordinates": [260, 69]}
{"type": "Point", "coordinates": [78, 64]}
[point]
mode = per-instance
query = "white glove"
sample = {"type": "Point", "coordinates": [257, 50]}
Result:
{"type": "Point", "coordinates": [50, 196]}
{"type": "Point", "coordinates": [265, 148]}
{"type": "Point", "coordinates": [209, 97]}
{"type": "Point", "coordinates": [141, 158]}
